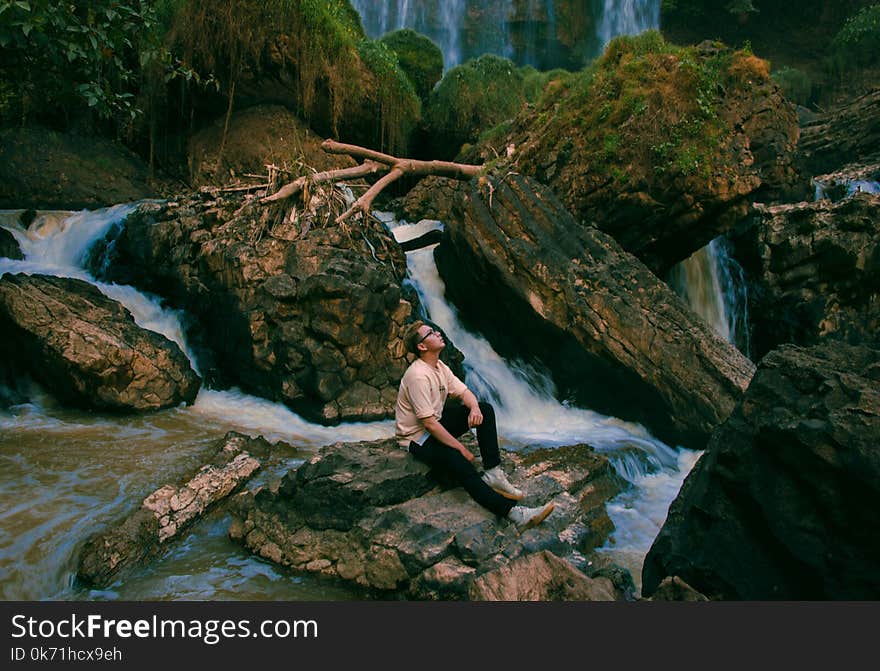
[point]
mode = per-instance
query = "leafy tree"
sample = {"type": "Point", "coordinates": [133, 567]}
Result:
{"type": "Point", "coordinates": [59, 59]}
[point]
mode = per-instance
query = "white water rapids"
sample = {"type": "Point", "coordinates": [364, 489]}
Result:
{"type": "Point", "coordinates": [66, 474]}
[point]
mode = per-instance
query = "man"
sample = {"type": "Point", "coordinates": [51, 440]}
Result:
{"type": "Point", "coordinates": [430, 430]}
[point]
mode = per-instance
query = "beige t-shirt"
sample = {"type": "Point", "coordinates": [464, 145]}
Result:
{"type": "Point", "coordinates": [423, 391]}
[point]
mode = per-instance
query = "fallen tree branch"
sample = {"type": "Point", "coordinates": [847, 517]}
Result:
{"type": "Point", "coordinates": [374, 162]}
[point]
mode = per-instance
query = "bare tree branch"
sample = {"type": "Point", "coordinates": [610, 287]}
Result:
{"type": "Point", "coordinates": [374, 162]}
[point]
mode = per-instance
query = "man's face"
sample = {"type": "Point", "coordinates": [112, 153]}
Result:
{"type": "Point", "coordinates": [431, 339]}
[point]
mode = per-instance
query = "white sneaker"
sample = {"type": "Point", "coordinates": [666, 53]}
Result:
{"type": "Point", "coordinates": [498, 481]}
{"type": "Point", "coordinates": [526, 518]}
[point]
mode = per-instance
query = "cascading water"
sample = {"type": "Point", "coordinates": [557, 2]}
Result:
{"type": "Point", "coordinates": [460, 36]}
{"type": "Point", "coordinates": [65, 474]}
{"type": "Point", "coordinates": [626, 17]}
{"type": "Point", "coordinates": [441, 20]}
{"type": "Point", "coordinates": [529, 415]}
{"type": "Point", "coordinates": [714, 286]}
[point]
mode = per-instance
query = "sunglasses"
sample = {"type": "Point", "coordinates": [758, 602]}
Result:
{"type": "Point", "coordinates": [428, 335]}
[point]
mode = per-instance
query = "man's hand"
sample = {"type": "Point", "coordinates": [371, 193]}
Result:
{"type": "Point", "coordinates": [466, 453]}
{"type": "Point", "coordinates": [475, 417]}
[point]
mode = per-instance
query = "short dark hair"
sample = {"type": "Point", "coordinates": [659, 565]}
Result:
{"type": "Point", "coordinates": [411, 338]}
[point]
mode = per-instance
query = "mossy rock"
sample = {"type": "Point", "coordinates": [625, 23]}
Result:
{"type": "Point", "coordinates": [472, 98]}
{"type": "Point", "coordinates": [419, 57]}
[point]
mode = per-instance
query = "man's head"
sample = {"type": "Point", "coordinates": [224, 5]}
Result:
{"type": "Point", "coordinates": [422, 337]}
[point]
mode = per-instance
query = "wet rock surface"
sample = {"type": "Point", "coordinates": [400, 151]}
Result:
{"type": "Point", "coordinates": [372, 515]}
{"type": "Point", "coordinates": [848, 134]}
{"type": "Point", "coordinates": [9, 247]}
{"type": "Point", "coordinates": [166, 513]}
{"type": "Point", "coordinates": [614, 336]}
{"type": "Point", "coordinates": [814, 272]}
{"type": "Point", "coordinates": [287, 304]}
{"type": "Point", "coordinates": [86, 348]}
{"type": "Point", "coordinates": [781, 505]}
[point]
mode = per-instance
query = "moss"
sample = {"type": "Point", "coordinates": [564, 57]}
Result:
{"type": "Point", "coordinates": [472, 98]}
{"type": "Point", "coordinates": [392, 97]}
{"type": "Point", "coordinates": [795, 84]}
{"type": "Point", "coordinates": [646, 106]}
{"type": "Point", "coordinates": [419, 58]}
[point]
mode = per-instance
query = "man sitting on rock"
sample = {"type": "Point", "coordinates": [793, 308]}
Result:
{"type": "Point", "coordinates": [429, 429]}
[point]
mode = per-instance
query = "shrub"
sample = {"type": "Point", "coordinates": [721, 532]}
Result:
{"type": "Point", "coordinates": [419, 58]}
{"type": "Point", "coordinates": [65, 61]}
{"type": "Point", "coordinates": [858, 42]}
{"type": "Point", "coordinates": [472, 98]}
{"type": "Point", "coordinates": [391, 96]}
{"type": "Point", "coordinates": [795, 84]}
{"type": "Point", "coordinates": [644, 107]}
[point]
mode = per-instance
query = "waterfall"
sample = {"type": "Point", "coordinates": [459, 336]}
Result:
{"type": "Point", "coordinates": [713, 284]}
{"type": "Point", "coordinates": [626, 17]}
{"type": "Point", "coordinates": [529, 416]}
{"type": "Point", "coordinates": [57, 243]}
{"type": "Point", "coordinates": [466, 29]}
{"type": "Point", "coordinates": [441, 20]}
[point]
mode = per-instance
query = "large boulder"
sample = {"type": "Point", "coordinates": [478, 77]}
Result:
{"type": "Point", "coordinates": [372, 515]}
{"type": "Point", "coordinates": [45, 169]}
{"type": "Point", "coordinates": [782, 503]}
{"type": "Point", "coordinates": [813, 272]}
{"type": "Point", "coordinates": [616, 338]}
{"type": "Point", "coordinates": [86, 348]}
{"type": "Point", "coordinates": [663, 148]}
{"type": "Point", "coordinates": [286, 304]}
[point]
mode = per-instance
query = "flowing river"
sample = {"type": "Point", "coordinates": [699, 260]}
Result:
{"type": "Point", "coordinates": [66, 474]}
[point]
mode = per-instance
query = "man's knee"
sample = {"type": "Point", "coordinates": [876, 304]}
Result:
{"type": "Point", "coordinates": [487, 410]}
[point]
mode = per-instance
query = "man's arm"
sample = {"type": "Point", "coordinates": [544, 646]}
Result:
{"type": "Point", "coordinates": [475, 417]}
{"type": "Point", "coordinates": [437, 430]}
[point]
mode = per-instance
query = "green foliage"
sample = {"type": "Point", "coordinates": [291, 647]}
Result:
{"type": "Point", "coordinates": [535, 82]}
{"type": "Point", "coordinates": [741, 7]}
{"type": "Point", "coordinates": [397, 104]}
{"type": "Point", "coordinates": [317, 37]}
{"type": "Point", "coordinates": [419, 58]}
{"type": "Point", "coordinates": [472, 98]}
{"type": "Point", "coordinates": [858, 42]}
{"type": "Point", "coordinates": [73, 57]}
{"type": "Point", "coordinates": [647, 105]}
{"type": "Point", "coordinates": [795, 84]}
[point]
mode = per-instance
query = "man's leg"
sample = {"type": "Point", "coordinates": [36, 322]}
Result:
{"type": "Point", "coordinates": [455, 421]}
{"type": "Point", "coordinates": [451, 461]}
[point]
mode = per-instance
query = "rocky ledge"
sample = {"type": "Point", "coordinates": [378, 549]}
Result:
{"type": "Point", "coordinates": [782, 503]}
{"type": "Point", "coordinates": [371, 515]}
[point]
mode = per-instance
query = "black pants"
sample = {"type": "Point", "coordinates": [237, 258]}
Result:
{"type": "Point", "coordinates": [451, 462]}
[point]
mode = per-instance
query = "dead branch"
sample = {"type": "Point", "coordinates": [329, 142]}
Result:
{"type": "Point", "coordinates": [374, 163]}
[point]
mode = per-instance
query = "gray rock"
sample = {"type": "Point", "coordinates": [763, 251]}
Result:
{"type": "Point", "coordinates": [541, 577]}
{"type": "Point", "coordinates": [613, 335]}
{"type": "Point", "coordinates": [86, 348]}
{"type": "Point", "coordinates": [782, 503]}
{"type": "Point", "coordinates": [166, 513]}
{"type": "Point", "coordinates": [285, 304]}
{"type": "Point", "coordinates": [814, 272]}
{"type": "Point", "coordinates": [372, 515]}
{"type": "Point", "coordinates": [9, 246]}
